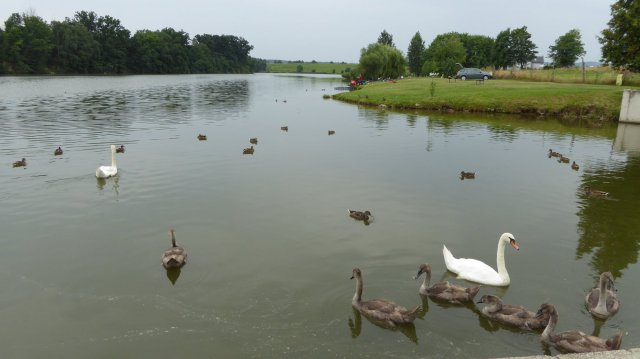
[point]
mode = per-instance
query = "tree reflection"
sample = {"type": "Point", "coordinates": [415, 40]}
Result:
{"type": "Point", "coordinates": [608, 227]}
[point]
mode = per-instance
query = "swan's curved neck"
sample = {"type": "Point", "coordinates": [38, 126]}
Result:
{"type": "Point", "coordinates": [601, 307]}
{"type": "Point", "coordinates": [553, 320]}
{"type": "Point", "coordinates": [502, 268]}
{"type": "Point", "coordinates": [173, 239]}
{"type": "Point", "coordinates": [357, 297]}
{"type": "Point", "coordinates": [426, 281]}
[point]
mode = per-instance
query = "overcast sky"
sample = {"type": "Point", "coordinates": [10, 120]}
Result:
{"type": "Point", "coordinates": [336, 30]}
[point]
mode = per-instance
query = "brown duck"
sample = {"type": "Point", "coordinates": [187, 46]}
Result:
{"type": "Point", "coordinates": [467, 175]}
{"type": "Point", "coordinates": [58, 151]}
{"type": "Point", "coordinates": [120, 149]}
{"type": "Point", "coordinates": [359, 215]}
{"type": "Point", "coordinates": [248, 151]}
{"type": "Point", "coordinates": [21, 163]}
{"type": "Point", "coordinates": [202, 137]}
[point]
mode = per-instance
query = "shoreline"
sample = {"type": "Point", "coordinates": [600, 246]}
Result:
{"type": "Point", "coordinates": [594, 105]}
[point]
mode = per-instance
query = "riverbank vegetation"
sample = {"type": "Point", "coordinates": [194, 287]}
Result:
{"type": "Point", "coordinates": [92, 44]}
{"type": "Point", "coordinates": [593, 105]}
{"type": "Point", "coordinates": [310, 67]}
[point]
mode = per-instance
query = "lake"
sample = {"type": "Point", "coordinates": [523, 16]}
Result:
{"type": "Point", "coordinates": [270, 244]}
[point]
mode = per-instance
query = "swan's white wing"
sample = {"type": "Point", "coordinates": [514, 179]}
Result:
{"type": "Point", "coordinates": [471, 269]}
{"type": "Point", "coordinates": [106, 171]}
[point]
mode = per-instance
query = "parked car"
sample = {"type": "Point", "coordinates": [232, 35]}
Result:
{"type": "Point", "coordinates": [473, 73]}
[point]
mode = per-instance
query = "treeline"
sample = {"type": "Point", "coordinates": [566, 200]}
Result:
{"type": "Point", "coordinates": [92, 44]}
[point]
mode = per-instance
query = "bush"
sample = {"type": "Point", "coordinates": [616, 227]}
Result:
{"type": "Point", "coordinates": [299, 68]}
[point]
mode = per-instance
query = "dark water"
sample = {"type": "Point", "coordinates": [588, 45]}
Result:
{"type": "Point", "coordinates": [270, 245]}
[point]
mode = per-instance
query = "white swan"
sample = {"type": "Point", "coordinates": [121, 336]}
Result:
{"type": "Point", "coordinates": [476, 271]}
{"type": "Point", "coordinates": [108, 171]}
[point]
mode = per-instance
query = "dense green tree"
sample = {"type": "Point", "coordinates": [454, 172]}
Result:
{"type": "Point", "coordinates": [386, 38]}
{"type": "Point", "coordinates": [415, 54]}
{"type": "Point", "coordinates": [160, 52]}
{"type": "Point", "coordinates": [2, 53]}
{"type": "Point", "coordinates": [75, 50]}
{"type": "Point", "coordinates": [444, 54]}
{"type": "Point", "coordinates": [381, 61]}
{"type": "Point", "coordinates": [112, 37]}
{"type": "Point", "coordinates": [88, 43]}
{"type": "Point", "coordinates": [620, 45]}
{"type": "Point", "coordinates": [502, 56]}
{"type": "Point", "coordinates": [478, 48]}
{"type": "Point", "coordinates": [566, 49]}
{"type": "Point", "coordinates": [27, 43]}
{"type": "Point", "coordinates": [522, 48]}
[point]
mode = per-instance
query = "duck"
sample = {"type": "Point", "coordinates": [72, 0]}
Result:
{"type": "Point", "coordinates": [512, 315]}
{"type": "Point", "coordinates": [602, 301]}
{"type": "Point", "coordinates": [21, 163]}
{"type": "Point", "coordinates": [477, 271]}
{"type": "Point", "coordinates": [381, 310]}
{"type": "Point", "coordinates": [554, 154]}
{"type": "Point", "coordinates": [574, 166]}
{"type": "Point", "coordinates": [58, 151]}
{"type": "Point", "coordinates": [248, 151]}
{"type": "Point", "coordinates": [563, 159]}
{"type": "Point", "coordinates": [332, 132]}
{"type": "Point", "coordinates": [444, 291]}
{"type": "Point", "coordinates": [253, 140]}
{"type": "Point", "coordinates": [284, 128]}
{"type": "Point", "coordinates": [574, 341]}
{"type": "Point", "coordinates": [467, 175]}
{"type": "Point", "coordinates": [202, 137]}
{"type": "Point", "coordinates": [108, 171]}
{"type": "Point", "coordinates": [120, 149]}
{"type": "Point", "coordinates": [594, 192]}
{"type": "Point", "coordinates": [174, 257]}
{"type": "Point", "coordinates": [359, 215]}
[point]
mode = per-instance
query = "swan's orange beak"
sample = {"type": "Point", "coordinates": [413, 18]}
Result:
{"type": "Point", "coordinates": [514, 245]}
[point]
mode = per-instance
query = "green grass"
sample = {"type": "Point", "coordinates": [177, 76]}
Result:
{"type": "Point", "coordinates": [309, 67]}
{"type": "Point", "coordinates": [592, 75]}
{"type": "Point", "coordinates": [575, 102]}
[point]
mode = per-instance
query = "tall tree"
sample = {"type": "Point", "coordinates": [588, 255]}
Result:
{"type": "Point", "coordinates": [2, 53]}
{"type": "Point", "coordinates": [478, 48]}
{"type": "Point", "coordinates": [385, 38]}
{"type": "Point", "coordinates": [523, 49]}
{"type": "Point", "coordinates": [620, 46]}
{"type": "Point", "coordinates": [502, 54]}
{"type": "Point", "coordinates": [75, 50]}
{"type": "Point", "coordinates": [381, 61]}
{"type": "Point", "coordinates": [415, 54]}
{"type": "Point", "coordinates": [112, 37]}
{"type": "Point", "coordinates": [445, 54]}
{"type": "Point", "coordinates": [566, 49]}
{"type": "Point", "coordinates": [27, 43]}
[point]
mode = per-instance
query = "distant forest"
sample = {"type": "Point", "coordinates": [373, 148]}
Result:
{"type": "Point", "coordinates": [92, 44]}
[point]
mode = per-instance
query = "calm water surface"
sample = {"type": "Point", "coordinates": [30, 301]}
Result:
{"type": "Point", "coordinates": [270, 245]}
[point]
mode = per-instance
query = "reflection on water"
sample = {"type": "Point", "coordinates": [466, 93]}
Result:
{"type": "Point", "coordinates": [355, 326]}
{"type": "Point", "coordinates": [269, 234]}
{"type": "Point", "coordinates": [173, 274]}
{"type": "Point", "coordinates": [609, 226]}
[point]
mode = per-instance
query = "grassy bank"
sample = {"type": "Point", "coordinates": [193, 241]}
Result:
{"type": "Point", "coordinates": [592, 75]}
{"type": "Point", "coordinates": [594, 104]}
{"type": "Point", "coordinates": [310, 67]}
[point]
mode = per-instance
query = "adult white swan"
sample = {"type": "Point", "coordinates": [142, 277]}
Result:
{"type": "Point", "coordinates": [476, 271]}
{"type": "Point", "coordinates": [108, 171]}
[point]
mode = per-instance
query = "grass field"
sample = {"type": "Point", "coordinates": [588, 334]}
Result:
{"type": "Point", "coordinates": [310, 67]}
{"type": "Point", "coordinates": [575, 102]}
{"type": "Point", "coordinates": [592, 75]}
